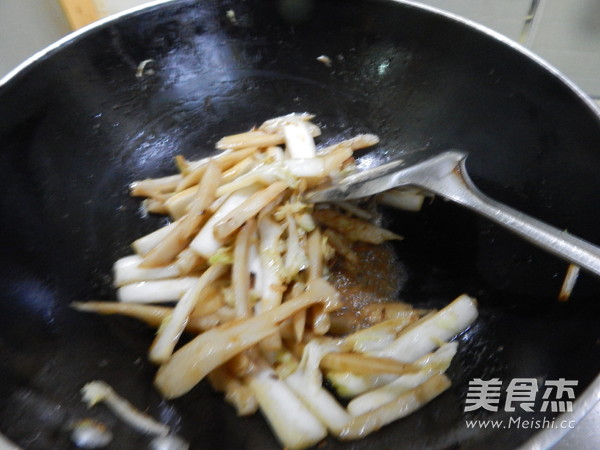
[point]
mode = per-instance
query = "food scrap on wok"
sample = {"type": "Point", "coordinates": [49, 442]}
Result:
{"type": "Point", "coordinates": [245, 269]}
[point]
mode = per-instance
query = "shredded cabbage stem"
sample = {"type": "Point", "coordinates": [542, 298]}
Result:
{"type": "Point", "coordinates": [243, 268]}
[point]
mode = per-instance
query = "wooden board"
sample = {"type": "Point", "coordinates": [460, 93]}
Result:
{"type": "Point", "coordinates": [80, 12]}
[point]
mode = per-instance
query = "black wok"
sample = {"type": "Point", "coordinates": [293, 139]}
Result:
{"type": "Point", "coordinates": [77, 125]}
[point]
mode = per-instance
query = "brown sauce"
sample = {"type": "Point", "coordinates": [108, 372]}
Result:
{"type": "Point", "coordinates": [377, 278]}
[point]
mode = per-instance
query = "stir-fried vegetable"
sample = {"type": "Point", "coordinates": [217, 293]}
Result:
{"type": "Point", "coordinates": [243, 268]}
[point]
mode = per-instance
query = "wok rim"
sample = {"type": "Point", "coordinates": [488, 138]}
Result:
{"type": "Point", "coordinates": [584, 404]}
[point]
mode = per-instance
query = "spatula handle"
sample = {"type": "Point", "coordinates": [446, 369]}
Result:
{"type": "Point", "coordinates": [458, 187]}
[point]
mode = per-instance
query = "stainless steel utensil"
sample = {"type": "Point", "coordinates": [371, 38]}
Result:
{"type": "Point", "coordinates": [446, 175]}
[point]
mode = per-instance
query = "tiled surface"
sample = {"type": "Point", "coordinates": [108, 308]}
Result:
{"type": "Point", "coordinates": [107, 7]}
{"type": "Point", "coordinates": [27, 26]}
{"type": "Point", "coordinates": [505, 16]}
{"type": "Point", "coordinates": [567, 34]}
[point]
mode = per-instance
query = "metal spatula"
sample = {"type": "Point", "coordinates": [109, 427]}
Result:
{"type": "Point", "coordinates": [445, 174]}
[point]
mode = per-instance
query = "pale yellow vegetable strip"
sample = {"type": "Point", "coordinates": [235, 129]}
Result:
{"type": "Point", "coordinates": [237, 394]}
{"type": "Point", "coordinates": [224, 160]}
{"type": "Point", "coordinates": [380, 334]}
{"type": "Point", "coordinates": [298, 320]}
{"type": "Point", "coordinates": [353, 228]}
{"type": "Point", "coordinates": [315, 255]}
{"type": "Point", "coordinates": [192, 362]}
{"type": "Point", "coordinates": [155, 291]}
{"type": "Point", "coordinates": [150, 314]}
{"type": "Point", "coordinates": [248, 209]}
{"type": "Point", "coordinates": [169, 333]}
{"type": "Point", "coordinates": [365, 365]}
{"type": "Point", "coordinates": [228, 160]}
{"type": "Point", "coordinates": [155, 206]}
{"type": "Point", "coordinates": [255, 138]}
{"type": "Point", "coordinates": [188, 261]}
{"type": "Point", "coordinates": [248, 179]}
{"type": "Point", "coordinates": [210, 301]}
{"type": "Point", "coordinates": [276, 124]}
{"type": "Point", "coordinates": [295, 255]}
{"type": "Point", "coordinates": [146, 243]}
{"type": "Point", "coordinates": [299, 323]}
{"type": "Point", "coordinates": [205, 243]}
{"type": "Point", "coordinates": [320, 319]}
{"type": "Point", "coordinates": [192, 178]}
{"type": "Point", "coordinates": [333, 161]}
{"type": "Point", "coordinates": [99, 391]}
{"type": "Point", "coordinates": [206, 189]}
{"type": "Point", "coordinates": [154, 186]}
{"type": "Point", "coordinates": [406, 199]}
{"type": "Point", "coordinates": [376, 312]}
{"type": "Point", "coordinates": [126, 270]}
{"type": "Point", "coordinates": [240, 273]}
{"type": "Point", "coordinates": [355, 210]}
{"type": "Point", "coordinates": [177, 204]}
{"type": "Point", "coordinates": [404, 405]}
{"type": "Point", "coordinates": [167, 250]}
{"type": "Point", "coordinates": [357, 142]}
{"type": "Point", "coordinates": [269, 284]}
{"type": "Point", "coordinates": [341, 245]}
{"type": "Point", "coordinates": [239, 169]}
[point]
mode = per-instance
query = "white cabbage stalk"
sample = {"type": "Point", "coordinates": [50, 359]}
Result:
{"type": "Point", "coordinates": [437, 362]}
{"type": "Point", "coordinates": [252, 206]}
{"type": "Point", "coordinates": [294, 425]}
{"type": "Point", "coordinates": [98, 391]}
{"type": "Point", "coordinates": [306, 382]}
{"type": "Point", "coordinates": [146, 243]}
{"type": "Point", "coordinates": [178, 203]}
{"type": "Point", "coordinates": [276, 124]}
{"type": "Point", "coordinates": [274, 154]}
{"type": "Point", "coordinates": [155, 291]}
{"type": "Point", "coordinates": [255, 263]}
{"type": "Point", "coordinates": [298, 141]}
{"type": "Point", "coordinates": [170, 331]}
{"type": "Point", "coordinates": [241, 168]}
{"type": "Point", "coordinates": [153, 186]}
{"type": "Point", "coordinates": [402, 406]}
{"type": "Point", "coordinates": [261, 174]}
{"type": "Point", "coordinates": [253, 138]}
{"type": "Point", "coordinates": [357, 142]}
{"type": "Point", "coordinates": [205, 243]}
{"type": "Point", "coordinates": [295, 255]}
{"type": "Point", "coordinates": [432, 331]}
{"type": "Point", "coordinates": [378, 336]}
{"type": "Point", "coordinates": [225, 160]}
{"type": "Point", "coordinates": [271, 263]}
{"type": "Point", "coordinates": [126, 270]}
{"type": "Point", "coordinates": [240, 271]}
{"type": "Point", "coordinates": [422, 338]}
{"type": "Point", "coordinates": [355, 210]}
{"type": "Point", "coordinates": [287, 171]}
{"type": "Point", "coordinates": [304, 167]}
{"type": "Point", "coordinates": [320, 402]}
{"type": "Point", "coordinates": [305, 222]}
{"type": "Point", "coordinates": [192, 362]}
{"type": "Point", "coordinates": [406, 199]}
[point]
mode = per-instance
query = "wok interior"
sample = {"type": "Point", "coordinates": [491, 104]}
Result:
{"type": "Point", "coordinates": [78, 126]}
